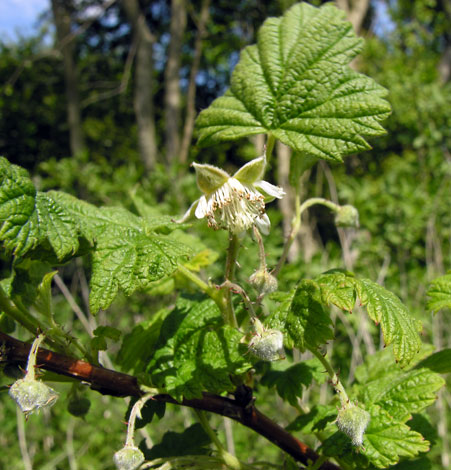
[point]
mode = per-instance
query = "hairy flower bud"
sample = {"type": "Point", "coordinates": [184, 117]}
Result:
{"type": "Point", "coordinates": [266, 344]}
{"type": "Point", "coordinates": [353, 420]}
{"type": "Point", "coordinates": [32, 395]}
{"type": "Point", "coordinates": [263, 281]}
{"type": "Point", "coordinates": [128, 458]}
{"type": "Point", "coordinates": [347, 216]}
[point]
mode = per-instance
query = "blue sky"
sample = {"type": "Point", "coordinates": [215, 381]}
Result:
{"type": "Point", "coordinates": [20, 16]}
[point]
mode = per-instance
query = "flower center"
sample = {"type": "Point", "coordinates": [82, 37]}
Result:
{"type": "Point", "coordinates": [234, 206]}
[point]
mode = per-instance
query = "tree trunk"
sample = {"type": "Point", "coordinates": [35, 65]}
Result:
{"type": "Point", "coordinates": [172, 96]}
{"type": "Point", "coordinates": [143, 85]}
{"type": "Point", "coordinates": [62, 20]}
{"type": "Point", "coordinates": [191, 95]}
{"type": "Point", "coordinates": [355, 10]}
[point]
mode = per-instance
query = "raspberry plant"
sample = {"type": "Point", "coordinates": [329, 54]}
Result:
{"type": "Point", "coordinates": [211, 350]}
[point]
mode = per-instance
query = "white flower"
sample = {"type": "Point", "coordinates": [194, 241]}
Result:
{"type": "Point", "coordinates": [237, 202]}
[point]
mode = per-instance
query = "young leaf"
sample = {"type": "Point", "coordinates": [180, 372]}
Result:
{"type": "Point", "coordinates": [386, 440]}
{"type": "Point", "coordinates": [440, 293]}
{"type": "Point", "coordinates": [307, 322]}
{"type": "Point", "coordinates": [398, 327]}
{"type": "Point", "coordinates": [295, 84]}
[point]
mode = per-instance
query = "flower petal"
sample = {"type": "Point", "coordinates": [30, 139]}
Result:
{"type": "Point", "coordinates": [263, 224]}
{"type": "Point", "coordinates": [270, 191]}
{"type": "Point", "coordinates": [202, 208]}
{"type": "Point", "coordinates": [189, 213]}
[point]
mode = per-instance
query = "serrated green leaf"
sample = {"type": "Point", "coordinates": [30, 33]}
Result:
{"type": "Point", "coordinates": [290, 381]}
{"type": "Point", "coordinates": [398, 327]}
{"type": "Point", "coordinates": [338, 289]}
{"type": "Point", "coordinates": [386, 440]}
{"type": "Point", "coordinates": [439, 362]}
{"type": "Point", "coordinates": [130, 259]}
{"type": "Point", "coordinates": [307, 321]}
{"type": "Point", "coordinates": [440, 293]}
{"type": "Point", "coordinates": [57, 225]}
{"type": "Point", "coordinates": [295, 84]}
{"type": "Point", "coordinates": [403, 394]}
{"type": "Point", "coordinates": [382, 363]}
{"type": "Point", "coordinates": [29, 217]}
{"type": "Point", "coordinates": [196, 352]}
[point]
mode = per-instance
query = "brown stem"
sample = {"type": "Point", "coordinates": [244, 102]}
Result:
{"type": "Point", "coordinates": [109, 382]}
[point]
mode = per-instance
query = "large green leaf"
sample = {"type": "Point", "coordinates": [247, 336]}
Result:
{"type": "Point", "coordinates": [403, 394]}
{"type": "Point", "coordinates": [398, 326]}
{"type": "Point", "coordinates": [307, 322]}
{"type": "Point", "coordinates": [196, 352]}
{"type": "Point", "coordinates": [296, 84]}
{"type": "Point", "coordinates": [337, 288]}
{"type": "Point", "coordinates": [128, 255]}
{"type": "Point", "coordinates": [387, 440]}
{"type": "Point", "coordinates": [29, 217]}
{"type": "Point", "coordinates": [440, 293]}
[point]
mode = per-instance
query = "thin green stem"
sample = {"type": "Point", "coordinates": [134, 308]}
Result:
{"type": "Point", "coordinates": [24, 319]}
{"type": "Point", "coordinates": [207, 289]}
{"type": "Point", "coordinates": [338, 386]}
{"type": "Point", "coordinates": [230, 460]}
{"type": "Point", "coordinates": [232, 253]}
{"type": "Point", "coordinates": [270, 146]}
{"type": "Point", "coordinates": [261, 248]}
{"type": "Point", "coordinates": [239, 290]}
{"type": "Point", "coordinates": [296, 224]}
{"type": "Point", "coordinates": [31, 364]}
{"type": "Point", "coordinates": [318, 200]}
{"type": "Point", "coordinates": [136, 411]}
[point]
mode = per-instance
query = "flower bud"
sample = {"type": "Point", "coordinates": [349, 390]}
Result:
{"type": "Point", "coordinates": [353, 420]}
{"type": "Point", "coordinates": [128, 458]}
{"type": "Point", "coordinates": [347, 216]}
{"type": "Point", "coordinates": [32, 395]}
{"type": "Point", "coordinates": [263, 281]}
{"type": "Point", "coordinates": [266, 344]}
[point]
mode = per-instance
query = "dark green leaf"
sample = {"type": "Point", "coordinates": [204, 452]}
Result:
{"type": "Point", "coordinates": [308, 323]}
{"type": "Point", "coordinates": [192, 441]}
{"type": "Point", "coordinates": [295, 83]}
{"type": "Point", "coordinates": [439, 362]}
